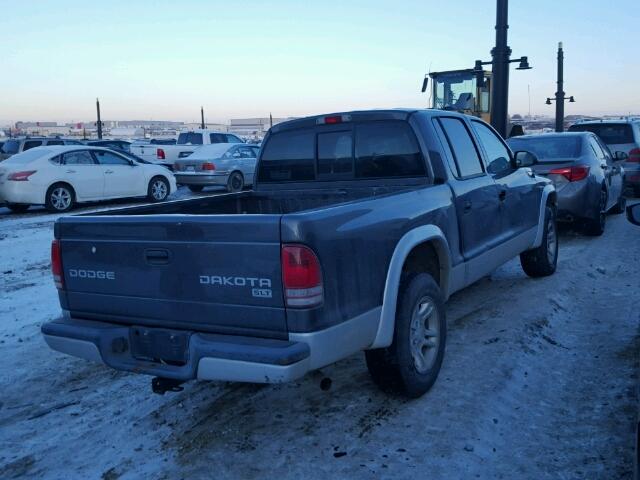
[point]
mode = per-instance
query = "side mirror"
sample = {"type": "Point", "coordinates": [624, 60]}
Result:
{"type": "Point", "coordinates": [633, 214]}
{"type": "Point", "coordinates": [425, 82]}
{"type": "Point", "coordinates": [620, 156]}
{"type": "Point", "coordinates": [525, 159]}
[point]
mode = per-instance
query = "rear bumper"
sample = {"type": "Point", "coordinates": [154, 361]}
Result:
{"type": "Point", "coordinates": [209, 357]}
{"type": "Point", "coordinates": [577, 200]}
{"type": "Point", "coordinates": [19, 192]}
{"type": "Point", "coordinates": [199, 179]}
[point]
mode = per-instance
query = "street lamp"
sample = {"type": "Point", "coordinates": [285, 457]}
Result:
{"type": "Point", "coordinates": [560, 98]}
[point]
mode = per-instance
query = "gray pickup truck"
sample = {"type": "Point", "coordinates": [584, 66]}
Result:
{"type": "Point", "coordinates": [361, 225]}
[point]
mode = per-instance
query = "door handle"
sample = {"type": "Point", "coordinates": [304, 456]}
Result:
{"type": "Point", "coordinates": [108, 171]}
{"type": "Point", "coordinates": [467, 206]}
{"type": "Point", "coordinates": [502, 195]}
{"type": "Point", "coordinates": [157, 256]}
{"type": "Point", "coordinates": [71, 171]}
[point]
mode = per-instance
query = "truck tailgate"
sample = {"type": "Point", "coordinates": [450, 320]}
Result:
{"type": "Point", "coordinates": [209, 273]}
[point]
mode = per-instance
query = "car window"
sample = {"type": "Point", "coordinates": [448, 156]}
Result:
{"type": "Point", "coordinates": [190, 138]}
{"type": "Point", "coordinates": [461, 144]}
{"type": "Point", "coordinates": [11, 146]}
{"type": "Point", "coordinates": [233, 139]}
{"type": "Point", "coordinates": [255, 150]}
{"type": "Point", "coordinates": [288, 157]}
{"type": "Point", "coordinates": [387, 149]}
{"type": "Point", "coordinates": [246, 152]}
{"type": "Point", "coordinates": [610, 133]}
{"type": "Point", "coordinates": [55, 142]}
{"type": "Point", "coordinates": [31, 144]}
{"type": "Point", "coordinates": [549, 148]}
{"type": "Point", "coordinates": [335, 153]}
{"type": "Point", "coordinates": [79, 157]}
{"type": "Point", "coordinates": [109, 158]}
{"type": "Point", "coordinates": [218, 138]}
{"type": "Point", "coordinates": [498, 154]}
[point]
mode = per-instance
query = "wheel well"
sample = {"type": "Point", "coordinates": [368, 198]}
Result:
{"type": "Point", "coordinates": [552, 199]}
{"type": "Point", "coordinates": [423, 258]}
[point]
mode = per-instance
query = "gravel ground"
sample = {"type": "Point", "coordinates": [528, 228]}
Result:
{"type": "Point", "coordinates": [539, 382]}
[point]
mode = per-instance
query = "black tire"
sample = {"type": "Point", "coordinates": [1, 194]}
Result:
{"type": "Point", "coordinates": [196, 188]}
{"type": "Point", "coordinates": [18, 207]}
{"type": "Point", "coordinates": [60, 198]}
{"type": "Point", "coordinates": [595, 226]}
{"type": "Point", "coordinates": [395, 368]}
{"type": "Point", "coordinates": [621, 206]}
{"type": "Point", "coordinates": [158, 189]}
{"type": "Point", "coordinates": [542, 261]}
{"type": "Point", "coordinates": [235, 183]}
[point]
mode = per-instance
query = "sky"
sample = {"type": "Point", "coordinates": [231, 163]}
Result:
{"type": "Point", "coordinates": [162, 60]}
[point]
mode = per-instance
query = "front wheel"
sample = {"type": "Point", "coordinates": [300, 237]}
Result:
{"type": "Point", "coordinates": [410, 365]}
{"type": "Point", "coordinates": [59, 198]}
{"type": "Point", "coordinates": [542, 261]}
{"type": "Point", "coordinates": [18, 207]}
{"type": "Point", "coordinates": [158, 189]}
{"type": "Point", "coordinates": [235, 182]}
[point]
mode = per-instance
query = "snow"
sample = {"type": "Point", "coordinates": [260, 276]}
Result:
{"type": "Point", "coordinates": [539, 381]}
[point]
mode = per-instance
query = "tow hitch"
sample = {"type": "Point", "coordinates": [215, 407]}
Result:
{"type": "Point", "coordinates": [161, 385]}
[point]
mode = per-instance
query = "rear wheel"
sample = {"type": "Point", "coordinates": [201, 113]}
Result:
{"type": "Point", "coordinates": [60, 198]}
{"type": "Point", "coordinates": [158, 190]}
{"type": "Point", "coordinates": [235, 182]}
{"type": "Point", "coordinates": [410, 365]}
{"type": "Point", "coordinates": [542, 261]}
{"type": "Point", "coordinates": [595, 226]}
{"type": "Point", "coordinates": [196, 188]}
{"type": "Point", "coordinates": [18, 207]}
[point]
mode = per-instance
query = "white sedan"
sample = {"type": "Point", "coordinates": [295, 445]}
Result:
{"type": "Point", "coordinates": [58, 177]}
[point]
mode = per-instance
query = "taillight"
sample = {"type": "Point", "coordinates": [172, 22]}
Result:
{"type": "Point", "coordinates": [208, 166]}
{"type": "Point", "coordinates": [301, 276]}
{"type": "Point", "coordinates": [21, 176]}
{"type": "Point", "coordinates": [160, 154]}
{"type": "Point", "coordinates": [572, 174]}
{"type": "Point", "coordinates": [56, 264]}
{"type": "Point", "coordinates": [634, 156]}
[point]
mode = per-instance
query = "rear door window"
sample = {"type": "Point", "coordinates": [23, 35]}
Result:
{"type": "Point", "coordinates": [31, 144]}
{"type": "Point", "coordinates": [387, 149]}
{"type": "Point", "coordinates": [190, 138]}
{"type": "Point", "coordinates": [80, 157]}
{"type": "Point", "coordinates": [609, 133]}
{"type": "Point", "coordinates": [461, 144]}
{"type": "Point", "coordinates": [108, 158]}
{"type": "Point", "coordinates": [218, 138]}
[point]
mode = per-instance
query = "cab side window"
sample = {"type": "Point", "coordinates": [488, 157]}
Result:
{"type": "Point", "coordinates": [464, 151]}
{"type": "Point", "coordinates": [498, 156]}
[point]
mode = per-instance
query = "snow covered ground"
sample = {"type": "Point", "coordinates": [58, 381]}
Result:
{"type": "Point", "coordinates": [539, 382]}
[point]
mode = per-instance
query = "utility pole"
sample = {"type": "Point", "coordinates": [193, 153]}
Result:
{"type": "Point", "coordinates": [99, 122]}
{"type": "Point", "coordinates": [270, 120]}
{"type": "Point", "coordinates": [560, 98]}
{"type": "Point", "coordinates": [501, 58]}
{"type": "Point", "coordinates": [202, 118]}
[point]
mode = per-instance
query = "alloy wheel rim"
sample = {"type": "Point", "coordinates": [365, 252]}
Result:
{"type": "Point", "coordinates": [60, 198]}
{"type": "Point", "coordinates": [158, 190]}
{"type": "Point", "coordinates": [424, 334]}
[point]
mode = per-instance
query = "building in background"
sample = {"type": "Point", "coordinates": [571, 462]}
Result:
{"type": "Point", "coordinates": [252, 127]}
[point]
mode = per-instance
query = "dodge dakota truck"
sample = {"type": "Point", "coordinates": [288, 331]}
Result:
{"type": "Point", "coordinates": [359, 228]}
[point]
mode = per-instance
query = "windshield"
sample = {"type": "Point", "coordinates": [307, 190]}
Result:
{"type": "Point", "coordinates": [190, 138]}
{"type": "Point", "coordinates": [455, 91]}
{"type": "Point", "coordinates": [28, 156]}
{"type": "Point", "coordinates": [548, 149]}
{"type": "Point", "coordinates": [609, 133]}
{"type": "Point", "coordinates": [11, 147]}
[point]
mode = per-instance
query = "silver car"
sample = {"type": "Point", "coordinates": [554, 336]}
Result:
{"type": "Point", "coordinates": [622, 135]}
{"type": "Point", "coordinates": [229, 165]}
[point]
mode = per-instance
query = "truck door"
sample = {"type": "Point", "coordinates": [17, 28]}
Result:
{"type": "Point", "coordinates": [518, 192]}
{"type": "Point", "coordinates": [476, 195]}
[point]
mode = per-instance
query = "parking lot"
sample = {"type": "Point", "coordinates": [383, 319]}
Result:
{"type": "Point", "coordinates": [539, 381]}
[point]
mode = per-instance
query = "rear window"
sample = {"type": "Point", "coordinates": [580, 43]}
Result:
{"type": "Point", "coordinates": [609, 133]}
{"type": "Point", "coordinates": [190, 138]}
{"type": "Point", "coordinates": [11, 147]}
{"type": "Point", "coordinates": [549, 149]}
{"type": "Point", "coordinates": [383, 149]}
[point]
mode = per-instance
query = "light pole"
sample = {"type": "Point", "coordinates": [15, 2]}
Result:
{"type": "Point", "coordinates": [99, 122]}
{"type": "Point", "coordinates": [560, 98]}
{"type": "Point", "coordinates": [202, 118]}
{"type": "Point", "coordinates": [501, 58]}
